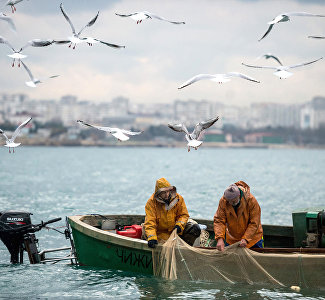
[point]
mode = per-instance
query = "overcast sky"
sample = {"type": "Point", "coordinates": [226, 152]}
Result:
{"type": "Point", "coordinates": [218, 36]}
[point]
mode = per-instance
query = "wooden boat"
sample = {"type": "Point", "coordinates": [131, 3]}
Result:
{"type": "Point", "coordinates": [99, 248]}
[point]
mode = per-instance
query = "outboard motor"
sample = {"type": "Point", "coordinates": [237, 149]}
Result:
{"type": "Point", "coordinates": [13, 226]}
{"type": "Point", "coordinates": [18, 234]}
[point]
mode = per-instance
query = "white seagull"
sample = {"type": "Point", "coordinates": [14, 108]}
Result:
{"type": "Point", "coordinates": [142, 15]}
{"type": "Point", "coordinates": [12, 4]}
{"type": "Point", "coordinates": [286, 17]}
{"type": "Point", "coordinates": [220, 78]}
{"type": "Point", "coordinates": [283, 71]}
{"type": "Point", "coordinates": [77, 39]}
{"type": "Point", "coordinates": [269, 55]}
{"type": "Point", "coordinates": [9, 20]}
{"type": "Point", "coordinates": [10, 143]}
{"type": "Point", "coordinates": [17, 54]}
{"type": "Point", "coordinates": [193, 138]}
{"type": "Point", "coordinates": [120, 134]}
{"type": "Point", "coordinates": [34, 81]}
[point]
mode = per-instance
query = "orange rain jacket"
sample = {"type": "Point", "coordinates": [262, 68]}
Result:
{"type": "Point", "coordinates": [246, 224]}
{"type": "Point", "coordinates": [162, 218]}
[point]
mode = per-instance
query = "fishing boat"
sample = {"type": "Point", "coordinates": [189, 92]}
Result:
{"type": "Point", "coordinates": [106, 249]}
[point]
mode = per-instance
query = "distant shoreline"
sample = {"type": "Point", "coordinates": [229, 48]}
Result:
{"type": "Point", "coordinates": [71, 143]}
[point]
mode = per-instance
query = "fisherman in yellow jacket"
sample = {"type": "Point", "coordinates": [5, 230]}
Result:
{"type": "Point", "coordinates": [165, 211]}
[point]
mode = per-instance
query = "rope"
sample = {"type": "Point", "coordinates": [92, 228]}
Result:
{"type": "Point", "coordinates": [183, 259]}
{"type": "Point", "coordinates": [301, 271]}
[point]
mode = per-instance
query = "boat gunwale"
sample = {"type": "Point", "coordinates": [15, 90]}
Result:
{"type": "Point", "coordinates": [106, 236]}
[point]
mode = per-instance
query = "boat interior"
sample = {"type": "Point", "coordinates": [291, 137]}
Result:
{"type": "Point", "coordinates": [277, 238]}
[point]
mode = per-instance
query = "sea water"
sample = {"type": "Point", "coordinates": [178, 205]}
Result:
{"type": "Point", "coordinates": [55, 182]}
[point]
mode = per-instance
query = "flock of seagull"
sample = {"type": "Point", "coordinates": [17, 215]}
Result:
{"type": "Point", "coordinates": [193, 139]}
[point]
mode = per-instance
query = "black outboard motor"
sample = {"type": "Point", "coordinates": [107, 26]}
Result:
{"type": "Point", "coordinates": [13, 226]}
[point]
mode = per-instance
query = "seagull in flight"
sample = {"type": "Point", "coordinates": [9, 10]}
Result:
{"type": "Point", "coordinates": [77, 39]}
{"type": "Point", "coordinates": [12, 4]}
{"type": "Point", "coordinates": [10, 143]}
{"type": "Point", "coordinates": [220, 78]}
{"type": "Point", "coordinates": [120, 134]}
{"type": "Point", "coordinates": [142, 15]}
{"type": "Point", "coordinates": [9, 20]}
{"type": "Point", "coordinates": [283, 71]}
{"type": "Point", "coordinates": [286, 17]}
{"type": "Point", "coordinates": [316, 37]}
{"type": "Point", "coordinates": [34, 81]}
{"type": "Point", "coordinates": [17, 54]}
{"type": "Point", "coordinates": [269, 55]}
{"type": "Point", "coordinates": [193, 138]}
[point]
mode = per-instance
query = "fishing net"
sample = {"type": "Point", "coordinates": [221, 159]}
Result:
{"type": "Point", "coordinates": [175, 259]}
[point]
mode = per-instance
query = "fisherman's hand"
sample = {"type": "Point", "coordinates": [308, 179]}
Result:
{"type": "Point", "coordinates": [221, 245]}
{"type": "Point", "coordinates": [178, 228]}
{"type": "Point", "coordinates": [243, 243]}
{"type": "Point", "coordinates": [152, 243]}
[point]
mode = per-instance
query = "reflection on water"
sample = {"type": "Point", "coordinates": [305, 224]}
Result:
{"type": "Point", "coordinates": [56, 182]}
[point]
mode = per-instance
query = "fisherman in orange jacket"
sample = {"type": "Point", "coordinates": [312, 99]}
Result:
{"type": "Point", "coordinates": [238, 218]}
{"type": "Point", "coordinates": [165, 211]}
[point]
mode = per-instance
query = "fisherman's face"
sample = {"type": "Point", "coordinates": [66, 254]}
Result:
{"type": "Point", "coordinates": [234, 201]}
{"type": "Point", "coordinates": [164, 195]}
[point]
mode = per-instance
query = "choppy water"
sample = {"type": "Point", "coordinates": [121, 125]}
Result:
{"type": "Point", "coordinates": [57, 182]}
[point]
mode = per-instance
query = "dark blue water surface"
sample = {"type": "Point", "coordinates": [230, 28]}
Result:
{"type": "Point", "coordinates": [61, 181]}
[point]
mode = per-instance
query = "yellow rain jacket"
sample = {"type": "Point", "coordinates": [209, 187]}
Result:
{"type": "Point", "coordinates": [246, 224]}
{"type": "Point", "coordinates": [162, 218]}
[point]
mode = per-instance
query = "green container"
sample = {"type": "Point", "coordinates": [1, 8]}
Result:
{"type": "Point", "coordinates": [304, 221]}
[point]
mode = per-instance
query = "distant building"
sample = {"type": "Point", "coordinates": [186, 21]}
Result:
{"type": "Point", "coordinates": [263, 137]}
{"type": "Point", "coordinates": [312, 115]}
{"type": "Point", "coordinates": [274, 115]}
{"type": "Point", "coordinates": [214, 135]}
{"type": "Point", "coordinates": [192, 111]}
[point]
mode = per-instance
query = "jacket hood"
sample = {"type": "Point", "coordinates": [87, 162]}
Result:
{"type": "Point", "coordinates": [244, 187]}
{"type": "Point", "coordinates": [161, 183]}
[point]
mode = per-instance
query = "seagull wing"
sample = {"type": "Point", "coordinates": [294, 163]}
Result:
{"type": "Point", "coordinates": [267, 32]}
{"type": "Point", "coordinates": [178, 128]}
{"type": "Point", "coordinates": [236, 74]}
{"type": "Point", "coordinates": [28, 71]}
{"type": "Point", "coordinates": [8, 20]}
{"type": "Point", "coordinates": [90, 23]}
{"type": "Point", "coordinates": [61, 41]}
{"type": "Point", "coordinates": [131, 132]}
{"type": "Point", "coordinates": [304, 64]}
{"type": "Point", "coordinates": [303, 14]}
{"type": "Point", "coordinates": [67, 18]}
{"type": "Point", "coordinates": [161, 18]}
{"type": "Point", "coordinates": [38, 43]}
{"type": "Point", "coordinates": [129, 15]}
{"type": "Point", "coordinates": [110, 45]}
{"type": "Point", "coordinates": [195, 79]}
{"type": "Point", "coordinates": [107, 129]}
{"type": "Point", "coordinates": [3, 133]}
{"type": "Point", "coordinates": [261, 67]}
{"type": "Point", "coordinates": [19, 128]}
{"type": "Point", "coordinates": [120, 135]}
{"type": "Point", "coordinates": [269, 55]}
{"type": "Point", "coordinates": [4, 41]}
{"type": "Point", "coordinates": [316, 37]}
{"type": "Point", "coordinates": [201, 126]}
